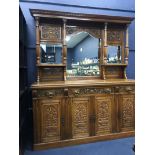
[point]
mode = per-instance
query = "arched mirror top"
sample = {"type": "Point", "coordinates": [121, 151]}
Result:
{"type": "Point", "coordinates": [95, 32]}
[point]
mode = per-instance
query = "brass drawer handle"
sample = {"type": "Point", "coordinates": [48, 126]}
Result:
{"type": "Point", "coordinates": [50, 94]}
{"type": "Point", "coordinates": [129, 89]}
{"type": "Point", "coordinates": [107, 90]}
{"type": "Point", "coordinates": [76, 92]}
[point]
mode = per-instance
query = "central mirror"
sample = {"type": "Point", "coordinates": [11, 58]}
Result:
{"type": "Point", "coordinates": [82, 55]}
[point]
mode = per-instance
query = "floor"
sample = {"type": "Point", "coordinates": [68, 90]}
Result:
{"type": "Point", "coordinates": [113, 147]}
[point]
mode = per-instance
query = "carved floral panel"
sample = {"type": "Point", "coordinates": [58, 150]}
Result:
{"type": "Point", "coordinates": [114, 36]}
{"type": "Point", "coordinates": [127, 113]}
{"type": "Point", "coordinates": [50, 121]}
{"type": "Point", "coordinates": [51, 32]}
{"type": "Point", "coordinates": [80, 120]}
{"type": "Point", "coordinates": [103, 115]}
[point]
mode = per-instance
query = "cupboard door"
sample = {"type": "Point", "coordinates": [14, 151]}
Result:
{"type": "Point", "coordinates": [103, 108]}
{"type": "Point", "coordinates": [50, 119]}
{"type": "Point", "coordinates": [127, 112]}
{"type": "Point", "coordinates": [80, 117]}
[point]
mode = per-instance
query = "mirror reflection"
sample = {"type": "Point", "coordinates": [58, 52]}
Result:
{"type": "Point", "coordinates": [114, 54]}
{"type": "Point", "coordinates": [51, 53]}
{"type": "Point", "coordinates": [82, 55]}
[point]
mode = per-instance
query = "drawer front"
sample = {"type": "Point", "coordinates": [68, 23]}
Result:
{"type": "Point", "coordinates": [125, 89]}
{"type": "Point", "coordinates": [75, 92]}
{"type": "Point", "coordinates": [48, 93]}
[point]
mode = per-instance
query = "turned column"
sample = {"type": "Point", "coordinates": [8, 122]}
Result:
{"type": "Point", "coordinates": [99, 54]}
{"type": "Point", "coordinates": [64, 50]}
{"type": "Point", "coordinates": [127, 46]}
{"type": "Point", "coordinates": [37, 46]}
{"type": "Point", "coordinates": [105, 43]}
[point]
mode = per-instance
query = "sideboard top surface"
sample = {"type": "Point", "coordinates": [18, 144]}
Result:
{"type": "Point", "coordinates": [79, 83]}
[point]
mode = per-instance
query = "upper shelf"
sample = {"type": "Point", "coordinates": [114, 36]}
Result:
{"type": "Point", "coordinates": [114, 64]}
{"type": "Point", "coordinates": [79, 16]}
{"type": "Point", "coordinates": [51, 65]}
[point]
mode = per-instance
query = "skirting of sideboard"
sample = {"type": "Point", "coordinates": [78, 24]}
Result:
{"type": "Point", "coordinates": [69, 142]}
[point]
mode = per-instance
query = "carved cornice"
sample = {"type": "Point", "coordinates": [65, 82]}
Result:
{"type": "Point", "coordinates": [80, 16]}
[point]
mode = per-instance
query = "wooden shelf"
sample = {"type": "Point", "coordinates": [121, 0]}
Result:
{"type": "Point", "coordinates": [112, 64]}
{"type": "Point", "coordinates": [51, 65]}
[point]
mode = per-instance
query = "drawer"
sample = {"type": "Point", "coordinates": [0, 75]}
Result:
{"type": "Point", "coordinates": [89, 91]}
{"type": "Point", "coordinates": [48, 93]}
{"type": "Point", "coordinates": [125, 89]}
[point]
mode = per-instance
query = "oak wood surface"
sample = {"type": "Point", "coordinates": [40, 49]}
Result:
{"type": "Point", "coordinates": [109, 82]}
{"type": "Point", "coordinates": [64, 143]}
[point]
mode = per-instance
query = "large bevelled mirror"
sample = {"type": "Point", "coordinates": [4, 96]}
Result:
{"type": "Point", "coordinates": [82, 55]}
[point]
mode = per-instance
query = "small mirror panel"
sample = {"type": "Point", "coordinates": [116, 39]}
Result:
{"type": "Point", "coordinates": [51, 53]}
{"type": "Point", "coordinates": [114, 54]}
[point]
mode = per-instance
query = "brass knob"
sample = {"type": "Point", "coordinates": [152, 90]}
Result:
{"type": "Point", "coordinates": [50, 94]}
{"type": "Point", "coordinates": [76, 92]}
{"type": "Point", "coordinates": [107, 90]}
{"type": "Point", "coordinates": [128, 89]}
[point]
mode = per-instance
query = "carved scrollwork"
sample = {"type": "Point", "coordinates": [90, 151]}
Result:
{"type": "Point", "coordinates": [92, 31]}
{"type": "Point", "coordinates": [52, 32]}
{"type": "Point", "coordinates": [84, 91]}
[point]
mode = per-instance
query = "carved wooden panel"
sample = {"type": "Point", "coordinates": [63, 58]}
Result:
{"type": "Point", "coordinates": [125, 89]}
{"type": "Point", "coordinates": [92, 31]}
{"type": "Point", "coordinates": [104, 114]}
{"type": "Point", "coordinates": [52, 74]}
{"type": "Point", "coordinates": [127, 112]}
{"type": "Point", "coordinates": [51, 32]}
{"type": "Point", "coordinates": [48, 93]}
{"type": "Point", "coordinates": [80, 117]}
{"type": "Point", "coordinates": [114, 36]}
{"type": "Point", "coordinates": [87, 91]}
{"type": "Point", "coordinates": [113, 72]}
{"type": "Point", "coordinates": [50, 120]}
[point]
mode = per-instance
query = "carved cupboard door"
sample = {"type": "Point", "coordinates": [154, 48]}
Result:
{"type": "Point", "coordinates": [80, 117]}
{"type": "Point", "coordinates": [127, 112]}
{"type": "Point", "coordinates": [103, 110]}
{"type": "Point", "coordinates": [50, 119]}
